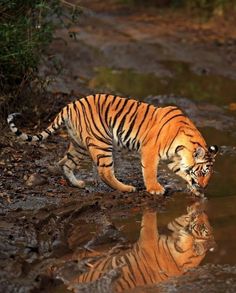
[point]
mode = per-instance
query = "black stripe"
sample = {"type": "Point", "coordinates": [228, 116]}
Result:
{"type": "Point", "coordinates": [131, 126]}
{"type": "Point", "coordinates": [119, 112]}
{"type": "Point", "coordinates": [167, 113]}
{"type": "Point", "coordinates": [105, 149]}
{"type": "Point", "coordinates": [187, 134]}
{"type": "Point", "coordinates": [29, 138]}
{"type": "Point", "coordinates": [149, 120]}
{"type": "Point", "coordinates": [18, 132]}
{"type": "Point", "coordinates": [70, 157]}
{"type": "Point", "coordinates": [139, 268]}
{"type": "Point", "coordinates": [39, 136]}
{"type": "Point", "coordinates": [118, 104]}
{"type": "Point", "coordinates": [94, 123]}
{"type": "Point", "coordinates": [62, 117]}
{"type": "Point", "coordinates": [48, 131]}
{"type": "Point", "coordinates": [129, 265]}
{"type": "Point", "coordinates": [120, 130]}
{"type": "Point", "coordinates": [86, 120]}
{"type": "Point", "coordinates": [67, 110]}
{"type": "Point", "coordinates": [131, 278]}
{"type": "Point", "coordinates": [141, 124]}
{"type": "Point", "coordinates": [106, 165]}
{"type": "Point", "coordinates": [161, 272]}
{"type": "Point", "coordinates": [167, 121]}
{"type": "Point", "coordinates": [107, 110]}
{"type": "Point", "coordinates": [195, 142]}
{"type": "Point", "coordinates": [54, 127]}
{"type": "Point", "coordinates": [99, 106]}
{"type": "Point", "coordinates": [57, 120]}
{"type": "Point", "coordinates": [79, 118]}
{"type": "Point", "coordinates": [70, 113]}
{"type": "Point", "coordinates": [65, 165]}
{"type": "Point", "coordinates": [171, 256]}
{"type": "Point", "coordinates": [79, 152]}
{"type": "Point", "coordinates": [89, 127]}
{"type": "Point", "coordinates": [76, 112]}
{"type": "Point", "coordinates": [146, 266]}
{"type": "Point", "coordinates": [101, 156]}
{"type": "Point", "coordinates": [167, 152]}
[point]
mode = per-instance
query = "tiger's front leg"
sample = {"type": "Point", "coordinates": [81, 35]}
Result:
{"type": "Point", "coordinates": [102, 157]}
{"type": "Point", "coordinates": [150, 160]}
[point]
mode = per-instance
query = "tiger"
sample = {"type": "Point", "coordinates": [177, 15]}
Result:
{"type": "Point", "coordinates": [98, 123]}
{"type": "Point", "coordinates": [156, 257]}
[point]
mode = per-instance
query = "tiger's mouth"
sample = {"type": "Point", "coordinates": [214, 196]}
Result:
{"type": "Point", "coordinates": [195, 188]}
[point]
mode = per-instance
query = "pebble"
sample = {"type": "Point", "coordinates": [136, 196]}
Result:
{"type": "Point", "coordinates": [36, 179]}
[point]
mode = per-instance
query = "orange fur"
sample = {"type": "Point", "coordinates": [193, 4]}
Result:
{"type": "Point", "coordinates": [97, 122]}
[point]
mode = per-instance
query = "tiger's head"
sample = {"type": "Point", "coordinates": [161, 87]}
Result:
{"type": "Point", "coordinates": [195, 166]}
{"type": "Point", "coordinates": [193, 232]}
{"type": "Point", "coordinates": [203, 237]}
{"type": "Point", "coordinates": [198, 175]}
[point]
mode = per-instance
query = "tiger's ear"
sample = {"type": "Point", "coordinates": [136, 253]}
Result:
{"type": "Point", "coordinates": [213, 150]}
{"type": "Point", "coordinates": [199, 153]}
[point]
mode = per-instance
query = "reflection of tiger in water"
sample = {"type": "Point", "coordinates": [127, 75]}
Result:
{"type": "Point", "coordinates": [97, 122]}
{"type": "Point", "coordinates": [154, 257]}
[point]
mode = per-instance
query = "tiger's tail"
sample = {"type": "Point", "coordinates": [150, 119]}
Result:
{"type": "Point", "coordinates": [54, 126]}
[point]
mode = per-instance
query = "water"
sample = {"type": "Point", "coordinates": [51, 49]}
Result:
{"type": "Point", "coordinates": [221, 193]}
{"type": "Point", "coordinates": [182, 80]}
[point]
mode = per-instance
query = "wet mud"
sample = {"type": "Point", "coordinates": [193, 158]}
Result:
{"type": "Point", "coordinates": [50, 232]}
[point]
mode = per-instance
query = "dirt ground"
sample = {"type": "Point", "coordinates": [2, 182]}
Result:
{"type": "Point", "coordinates": [44, 221]}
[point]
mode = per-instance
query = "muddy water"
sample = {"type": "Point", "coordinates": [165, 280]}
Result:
{"type": "Point", "coordinates": [221, 193]}
{"type": "Point", "coordinates": [198, 85]}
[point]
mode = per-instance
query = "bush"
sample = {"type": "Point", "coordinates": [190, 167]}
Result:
{"type": "Point", "coordinates": [26, 28]}
{"type": "Point", "coordinates": [24, 32]}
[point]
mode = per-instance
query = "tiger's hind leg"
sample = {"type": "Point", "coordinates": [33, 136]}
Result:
{"type": "Point", "coordinates": [70, 162]}
{"type": "Point", "coordinates": [102, 157]}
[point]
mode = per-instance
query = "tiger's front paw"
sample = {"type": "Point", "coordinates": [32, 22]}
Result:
{"type": "Point", "coordinates": [156, 189]}
{"type": "Point", "coordinates": [77, 183]}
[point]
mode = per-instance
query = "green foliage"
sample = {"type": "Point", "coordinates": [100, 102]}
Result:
{"type": "Point", "coordinates": [26, 28]}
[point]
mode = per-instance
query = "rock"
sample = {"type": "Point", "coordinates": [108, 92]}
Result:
{"type": "Point", "coordinates": [101, 285]}
{"type": "Point", "coordinates": [36, 179]}
{"type": "Point", "coordinates": [55, 169]}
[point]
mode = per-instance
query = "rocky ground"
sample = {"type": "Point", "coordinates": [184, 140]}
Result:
{"type": "Point", "coordinates": [43, 218]}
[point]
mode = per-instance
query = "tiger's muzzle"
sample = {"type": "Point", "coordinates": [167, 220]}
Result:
{"type": "Point", "coordinates": [196, 188]}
